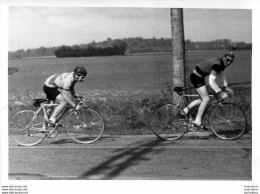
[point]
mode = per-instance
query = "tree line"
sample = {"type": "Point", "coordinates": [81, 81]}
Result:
{"type": "Point", "coordinates": [77, 51]}
{"type": "Point", "coordinates": [126, 46]}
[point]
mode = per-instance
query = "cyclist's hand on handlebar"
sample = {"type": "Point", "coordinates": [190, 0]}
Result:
{"type": "Point", "coordinates": [77, 98]}
{"type": "Point", "coordinates": [229, 91]}
{"type": "Point", "coordinates": [224, 95]}
{"type": "Point", "coordinates": [221, 95]}
{"type": "Point", "coordinates": [77, 107]}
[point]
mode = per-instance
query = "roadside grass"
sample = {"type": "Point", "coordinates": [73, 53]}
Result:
{"type": "Point", "coordinates": [127, 112]}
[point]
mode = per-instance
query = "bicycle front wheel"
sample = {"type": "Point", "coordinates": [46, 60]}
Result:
{"type": "Point", "coordinates": [26, 128]}
{"type": "Point", "coordinates": [228, 121]}
{"type": "Point", "coordinates": [85, 126]}
{"type": "Point", "coordinates": [169, 122]}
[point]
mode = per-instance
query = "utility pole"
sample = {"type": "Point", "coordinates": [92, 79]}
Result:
{"type": "Point", "coordinates": [178, 49]}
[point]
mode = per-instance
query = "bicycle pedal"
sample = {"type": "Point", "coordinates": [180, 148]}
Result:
{"type": "Point", "coordinates": [204, 128]}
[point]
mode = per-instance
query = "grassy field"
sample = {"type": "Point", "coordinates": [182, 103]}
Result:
{"type": "Point", "coordinates": [125, 89]}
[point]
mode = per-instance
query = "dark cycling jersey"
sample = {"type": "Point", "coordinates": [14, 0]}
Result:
{"type": "Point", "coordinates": [204, 68]}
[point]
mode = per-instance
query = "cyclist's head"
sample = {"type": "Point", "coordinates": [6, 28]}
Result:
{"type": "Point", "coordinates": [80, 71]}
{"type": "Point", "coordinates": [228, 58]}
{"type": "Point", "coordinates": [80, 74]}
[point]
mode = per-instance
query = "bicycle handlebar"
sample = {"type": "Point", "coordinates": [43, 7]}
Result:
{"type": "Point", "coordinates": [180, 91]}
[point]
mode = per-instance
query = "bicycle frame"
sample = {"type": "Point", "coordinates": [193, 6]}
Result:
{"type": "Point", "coordinates": [185, 101]}
{"type": "Point", "coordinates": [169, 121]}
{"type": "Point", "coordinates": [46, 116]}
{"type": "Point", "coordinates": [30, 127]}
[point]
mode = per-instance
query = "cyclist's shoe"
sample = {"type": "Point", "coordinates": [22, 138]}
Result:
{"type": "Point", "coordinates": [44, 128]}
{"type": "Point", "coordinates": [51, 124]}
{"type": "Point", "coordinates": [200, 126]}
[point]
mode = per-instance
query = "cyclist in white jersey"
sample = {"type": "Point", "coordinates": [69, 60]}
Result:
{"type": "Point", "coordinates": [65, 82]}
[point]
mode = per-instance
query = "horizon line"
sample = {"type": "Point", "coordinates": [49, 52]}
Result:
{"type": "Point", "coordinates": [127, 38]}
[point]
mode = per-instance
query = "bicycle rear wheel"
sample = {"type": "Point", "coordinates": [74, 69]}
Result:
{"type": "Point", "coordinates": [228, 121]}
{"type": "Point", "coordinates": [168, 123]}
{"type": "Point", "coordinates": [85, 126]}
{"type": "Point", "coordinates": [26, 128]}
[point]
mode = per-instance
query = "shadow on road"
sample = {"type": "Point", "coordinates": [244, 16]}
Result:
{"type": "Point", "coordinates": [124, 158]}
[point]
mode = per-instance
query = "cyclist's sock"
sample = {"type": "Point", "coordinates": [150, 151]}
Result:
{"type": "Point", "coordinates": [196, 124]}
{"type": "Point", "coordinates": [186, 110]}
{"type": "Point", "coordinates": [182, 114]}
{"type": "Point", "coordinates": [52, 120]}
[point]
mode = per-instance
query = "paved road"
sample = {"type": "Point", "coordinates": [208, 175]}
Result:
{"type": "Point", "coordinates": [194, 157]}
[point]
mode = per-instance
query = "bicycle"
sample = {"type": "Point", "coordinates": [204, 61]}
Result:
{"type": "Point", "coordinates": [28, 127]}
{"type": "Point", "coordinates": [226, 120]}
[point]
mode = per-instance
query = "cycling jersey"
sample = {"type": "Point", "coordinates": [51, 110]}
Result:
{"type": "Point", "coordinates": [204, 68]}
{"type": "Point", "coordinates": [63, 81]}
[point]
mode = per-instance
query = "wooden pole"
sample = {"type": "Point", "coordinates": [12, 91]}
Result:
{"type": "Point", "coordinates": [178, 48]}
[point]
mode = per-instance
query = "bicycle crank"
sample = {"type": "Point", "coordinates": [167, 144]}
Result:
{"type": "Point", "coordinates": [191, 127]}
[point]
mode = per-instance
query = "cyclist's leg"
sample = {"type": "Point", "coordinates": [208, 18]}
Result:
{"type": "Point", "coordinates": [197, 83]}
{"type": "Point", "coordinates": [51, 94]}
{"type": "Point", "coordinates": [50, 109]}
{"type": "Point", "coordinates": [205, 99]}
{"type": "Point", "coordinates": [62, 103]}
{"type": "Point", "coordinates": [191, 105]}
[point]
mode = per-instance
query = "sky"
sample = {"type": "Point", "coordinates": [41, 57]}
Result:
{"type": "Point", "coordinates": [33, 27]}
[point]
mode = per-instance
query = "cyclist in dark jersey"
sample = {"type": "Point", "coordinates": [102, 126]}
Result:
{"type": "Point", "coordinates": [213, 68]}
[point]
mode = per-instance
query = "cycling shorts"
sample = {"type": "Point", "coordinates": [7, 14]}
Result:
{"type": "Point", "coordinates": [51, 93]}
{"type": "Point", "coordinates": [197, 81]}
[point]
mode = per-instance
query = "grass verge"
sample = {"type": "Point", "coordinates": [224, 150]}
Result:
{"type": "Point", "coordinates": [128, 112]}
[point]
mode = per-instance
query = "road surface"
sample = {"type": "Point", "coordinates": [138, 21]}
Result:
{"type": "Point", "coordinates": [196, 156]}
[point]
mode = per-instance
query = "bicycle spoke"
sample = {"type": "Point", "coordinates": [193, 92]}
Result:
{"type": "Point", "coordinates": [26, 128]}
{"type": "Point", "coordinates": [86, 126]}
{"type": "Point", "coordinates": [167, 124]}
{"type": "Point", "coordinates": [219, 115]}
{"type": "Point", "coordinates": [228, 121]}
{"type": "Point", "coordinates": [235, 125]}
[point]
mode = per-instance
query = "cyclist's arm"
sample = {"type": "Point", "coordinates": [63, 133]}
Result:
{"type": "Point", "coordinates": [223, 79]}
{"type": "Point", "coordinates": [68, 97]}
{"type": "Point", "coordinates": [68, 91]}
{"type": "Point", "coordinates": [72, 90]}
{"type": "Point", "coordinates": [212, 81]}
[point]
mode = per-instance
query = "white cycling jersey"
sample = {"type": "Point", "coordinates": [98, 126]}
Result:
{"type": "Point", "coordinates": [63, 81]}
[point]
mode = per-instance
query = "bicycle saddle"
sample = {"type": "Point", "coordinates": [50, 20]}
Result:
{"type": "Point", "coordinates": [180, 89]}
{"type": "Point", "coordinates": [38, 101]}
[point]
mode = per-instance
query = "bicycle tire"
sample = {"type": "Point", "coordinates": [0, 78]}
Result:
{"type": "Point", "coordinates": [85, 126]}
{"type": "Point", "coordinates": [26, 128]}
{"type": "Point", "coordinates": [228, 121]}
{"type": "Point", "coordinates": [167, 123]}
